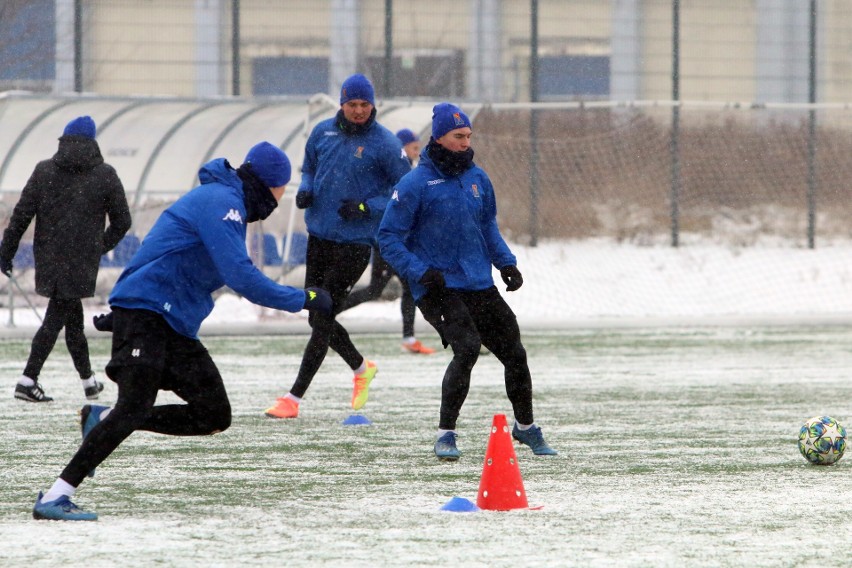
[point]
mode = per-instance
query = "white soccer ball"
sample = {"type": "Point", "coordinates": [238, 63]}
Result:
{"type": "Point", "coordinates": [822, 440]}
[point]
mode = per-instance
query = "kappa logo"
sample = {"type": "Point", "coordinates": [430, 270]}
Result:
{"type": "Point", "coordinates": [233, 215]}
{"type": "Point", "coordinates": [435, 181]}
{"type": "Point", "coordinates": [395, 195]}
{"type": "Point", "coordinates": [136, 353]}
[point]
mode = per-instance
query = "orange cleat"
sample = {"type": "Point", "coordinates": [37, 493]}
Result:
{"type": "Point", "coordinates": [361, 385]}
{"type": "Point", "coordinates": [284, 408]}
{"type": "Point", "coordinates": [417, 347]}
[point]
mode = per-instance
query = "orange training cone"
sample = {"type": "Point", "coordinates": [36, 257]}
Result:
{"type": "Point", "coordinates": [501, 487]}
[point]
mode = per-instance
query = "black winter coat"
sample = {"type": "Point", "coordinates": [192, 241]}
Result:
{"type": "Point", "coordinates": [70, 196]}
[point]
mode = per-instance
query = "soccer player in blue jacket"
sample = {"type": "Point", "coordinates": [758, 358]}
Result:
{"type": "Point", "coordinates": [351, 164]}
{"type": "Point", "coordinates": [381, 272]}
{"type": "Point", "coordinates": [158, 303]}
{"type": "Point", "coordinates": [440, 233]}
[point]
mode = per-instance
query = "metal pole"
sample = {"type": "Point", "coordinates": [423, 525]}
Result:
{"type": "Point", "coordinates": [11, 300]}
{"type": "Point", "coordinates": [534, 123]}
{"type": "Point", "coordinates": [388, 70]}
{"type": "Point", "coordinates": [26, 297]}
{"type": "Point", "coordinates": [675, 137]}
{"type": "Point", "coordinates": [78, 46]}
{"type": "Point", "coordinates": [812, 179]}
{"type": "Point", "coordinates": [235, 47]}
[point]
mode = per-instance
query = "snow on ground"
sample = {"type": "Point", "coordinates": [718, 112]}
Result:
{"type": "Point", "coordinates": [599, 282]}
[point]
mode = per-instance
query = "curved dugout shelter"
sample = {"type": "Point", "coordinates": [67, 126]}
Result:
{"type": "Point", "coordinates": [157, 145]}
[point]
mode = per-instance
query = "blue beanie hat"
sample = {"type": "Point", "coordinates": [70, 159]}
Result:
{"type": "Point", "coordinates": [269, 163]}
{"type": "Point", "coordinates": [357, 87]}
{"type": "Point", "coordinates": [446, 117]}
{"type": "Point", "coordinates": [80, 126]}
{"type": "Point", "coordinates": [406, 136]}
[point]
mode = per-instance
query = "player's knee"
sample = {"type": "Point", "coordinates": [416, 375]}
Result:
{"type": "Point", "coordinates": [466, 350]}
{"type": "Point", "coordinates": [214, 420]}
{"type": "Point", "coordinates": [517, 356]}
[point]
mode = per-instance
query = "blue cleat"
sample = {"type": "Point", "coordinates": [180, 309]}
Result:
{"type": "Point", "coordinates": [61, 509]}
{"type": "Point", "coordinates": [534, 439]}
{"type": "Point", "coordinates": [90, 416]}
{"type": "Point", "coordinates": [445, 447]}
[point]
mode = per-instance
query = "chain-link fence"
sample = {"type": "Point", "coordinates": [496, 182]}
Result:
{"type": "Point", "coordinates": [475, 50]}
{"type": "Point", "coordinates": [607, 171]}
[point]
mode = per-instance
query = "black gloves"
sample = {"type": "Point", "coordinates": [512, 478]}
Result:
{"type": "Point", "coordinates": [6, 266]}
{"type": "Point", "coordinates": [103, 322]}
{"type": "Point", "coordinates": [304, 199]}
{"type": "Point", "coordinates": [512, 277]}
{"type": "Point", "coordinates": [353, 211]}
{"type": "Point", "coordinates": [433, 280]}
{"type": "Point", "coordinates": [318, 299]}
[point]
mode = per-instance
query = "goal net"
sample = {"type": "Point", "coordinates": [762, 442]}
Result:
{"type": "Point", "coordinates": [595, 197]}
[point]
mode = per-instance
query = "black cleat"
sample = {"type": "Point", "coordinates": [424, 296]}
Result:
{"type": "Point", "coordinates": [31, 394]}
{"type": "Point", "coordinates": [93, 392]}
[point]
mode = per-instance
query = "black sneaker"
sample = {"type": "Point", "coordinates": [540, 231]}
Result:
{"type": "Point", "coordinates": [31, 394]}
{"type": "Point", "coordinates": [93, 392]}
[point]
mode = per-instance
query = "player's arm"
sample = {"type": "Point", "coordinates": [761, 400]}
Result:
{"type": "Point", "coordinates": [118, 212]}
{"type": "Point", "coordinates": [305, 193]}
{"type": "Point", "coordinates": [225, 242]}
{"type": "Point", "coordinates": [394, 166]}
{"type": "Point", "coordinates": [22, 216]}
{"type": "Point", "coordinates": [397, 223]}
{"type": "Point", "coordinates": [499, 252]}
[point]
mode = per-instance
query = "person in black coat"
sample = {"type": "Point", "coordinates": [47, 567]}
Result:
{"type": "Point", "coordinates": [70, 196]}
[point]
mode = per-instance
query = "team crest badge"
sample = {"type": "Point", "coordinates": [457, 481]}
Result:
{"type": "Point", "coordinates": [458, 119]}
{"type": "Point", "coordinates": [475, 190]}
{"type": "Point", "coordinates": [359, 153]}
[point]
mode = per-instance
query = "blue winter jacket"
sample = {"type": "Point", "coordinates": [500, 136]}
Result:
{"type": "Point", "coordinates": [449, 223]}
{"type": "Point", "coordinates": [360, 167]}
{"type": "Point", "coordinates": [197, 246]}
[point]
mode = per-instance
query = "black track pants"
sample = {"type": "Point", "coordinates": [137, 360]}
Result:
{"type": "Point", "coordinates": [336, 267]}
{"type": "Point", "coordinates": [67, 313]}
{"type": "Point", "coordinates": [380, 274]}
{"type": "Point", "coordinates": [466, 319]}
{"type": "Point", "coordinates": [163, 360]}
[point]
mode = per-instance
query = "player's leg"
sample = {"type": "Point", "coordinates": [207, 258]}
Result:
{"type": "Point", "coordinates": [334, 267]}
{"type": "Point", "coordinates": [407, 309]}
{"type": "Point", "coordinates": [42, 344]}
{"type": "Point", "coordinates": [410, 343]}
{"type": "Point", "coordinates": [78, 347]}
{"type": "Point", "coordinates": [449, 315]}
{"type": "Point", "coordinates": [380, 275]}
{"type": "Point", "coordinates": [317, 262]}
{"type": "Point", "coordinates": [501, 334]}
{"type": "Point", "coordinates": [137, 391]}
{"type": "Point", "coordinates": [136, 366]}
{"type": "Point", "coordinates": [193, 376]}
{"type": "Point", "coordinates": [349, 260]}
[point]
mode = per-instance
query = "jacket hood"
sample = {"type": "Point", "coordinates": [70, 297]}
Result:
{"type": "Point", "coordinates": [219, 171]}
{"type": "Point", "coordinates": [77, 154]}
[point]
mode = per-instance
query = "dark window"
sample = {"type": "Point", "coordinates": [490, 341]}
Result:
{"type": "Point", "coordinates": [27, 41]}
{"type": "Point", "coordinates": [433, 75]}
{"type": "Point", "coordinates": [289, 75]}
{"type": "Point", "coordinates": [569, 76]}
